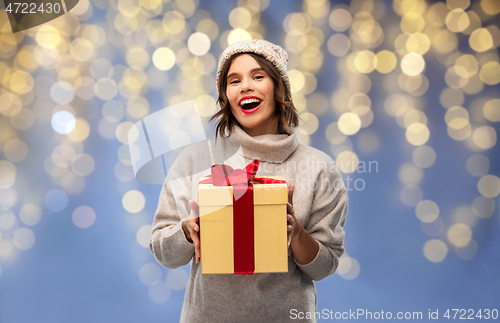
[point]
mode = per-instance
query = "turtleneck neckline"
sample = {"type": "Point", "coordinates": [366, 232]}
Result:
{"type": "Point", "coordinates": [273, 148]}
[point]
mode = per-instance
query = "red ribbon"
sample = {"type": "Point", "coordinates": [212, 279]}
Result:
{"type": "Point", "coordinates": [243, 209]}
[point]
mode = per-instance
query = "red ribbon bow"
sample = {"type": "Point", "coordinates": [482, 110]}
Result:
{"type": "Point", "coordinates": [243, 209]}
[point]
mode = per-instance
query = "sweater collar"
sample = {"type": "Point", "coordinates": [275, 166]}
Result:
{"type": "Point", "coordinates": [273, 148]}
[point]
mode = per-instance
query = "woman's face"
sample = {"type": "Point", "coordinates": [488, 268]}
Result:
{"type": "Point", "coordinates": [250, 91]}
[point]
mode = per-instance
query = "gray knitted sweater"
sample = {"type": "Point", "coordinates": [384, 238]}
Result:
{"type": "Point", "coordinates": [320, 202]}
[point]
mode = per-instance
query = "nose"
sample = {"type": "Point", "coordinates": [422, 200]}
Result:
{"type": "Point", "coordinates": [246, 85]}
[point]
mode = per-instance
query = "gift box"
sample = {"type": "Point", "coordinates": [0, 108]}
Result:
{"type": "Point", "coordinates": [243, 221]}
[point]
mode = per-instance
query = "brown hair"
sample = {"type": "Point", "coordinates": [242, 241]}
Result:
{"type": "Point", "coordinates": [285, 113]}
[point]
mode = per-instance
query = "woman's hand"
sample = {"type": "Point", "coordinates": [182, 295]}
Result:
{"type": "Point", "coordinates": [294, 225]}
{"type": "Point", "coordinates": [192, 229]}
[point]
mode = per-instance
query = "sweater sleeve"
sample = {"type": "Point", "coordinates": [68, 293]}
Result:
{"type": "Point", "coordinates": [326, 223]}
{"type": "Point", "coordinates": [168, 242]}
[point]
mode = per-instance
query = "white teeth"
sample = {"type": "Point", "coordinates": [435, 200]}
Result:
{"type": "Point", "coordinates": [249, 101]}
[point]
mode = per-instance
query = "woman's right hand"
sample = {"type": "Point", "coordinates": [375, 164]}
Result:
{"type": "Point", "coordinates": [192, 229]}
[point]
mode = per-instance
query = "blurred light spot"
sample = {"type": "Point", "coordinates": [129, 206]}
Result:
{"type": "Point", "coordinates": [348, 268]}
{"type": "Point", "coordinates": [338, 45]}
{"type": "Point", "coordinates": [386, 61]}
{"type": "Point", "coordinates": [460, 134]}
{"type": "Point", "coordinates": [417, 134]}
{"type": "Point", "coordinates": [478, 165]}
{"type": "Point", "coordinates": [164, 58]}
{"type": "Point", "coordinates": [83, 165]}
{"type": "Point", "coordinates": [456, 77]}
{"type": "Point", "coordinates": [11, 104]}
{"type": "Point", "coordinates": [412, 64]}
{"type": "Point", "coordinates": [480, 40]}
{"type": "Point", "coordinates": [105, 89]}
{"type": "Point", "coordinates": [349, 123]}
{"type": "Point", "coordinates": [365, 61]}
{"type": "Point", "coordinates": [459, 235]}
{"type": "Point", "coordinates": [56, 200]}
{"type": "Point", "coordinates": [310, 123]}
{"type": "Point", "coordinates": [414, 116]}
{"type": "Point", "coordinates": [63, 122]}
{"type": "Point", "coordinates": [490, 7]}
{"type": "Point", "coordinates": [297, 80]}
{"type": "Point", "coordinates": [81, 131]}
{"type": "Point", "coordinates": [240, 18]}
{"type": "Point", "coordinates": [468, 63]}
{"type": "Point", "coordinates": [81, 49]}
{"type": "Point", "coordinates": [143, 235]}
{"type": "Point", "coordinates": [435, 250]}
{"type": "Point", "coordinates": [137, 58]}
{"type": "Point", "coordinates": [177, 279]}
{"type": "Point", "coordinates": [483, 207]}
{"type": "Point", "coordinates": [199, 44]}
{"type": "Point", "coordinates": [410, 195]}
{"type": "Point", "coordinates": [159, 293]}
{"type": "Point", "coordinates": [48, 36]}
{"type": "Point", "coordinates": [62, 92]}
{"type": "Point", "coordinates": [418, 43]}
{"type": "Point", "coordinates": [456, 117]}
{"type": "Point", "coordinates": [7, 174]}
{"type": "Point", "coordinates": [30, 214]}
{"type": "Point", "coordinates": [340, 19]}
{"type": "Point", "coordinates": [150, 274]}
{"type": "Point", "coordinates": [395, 104]}
{"type": "Point", "coordinates": [457, 20]}
{"type": "Point", "coordinates": [491, 110]}
{"type": "Point", "coordinates": [410, 174]}
{"type": "Point", "coordinates": [490, 73]}
{"type": "Point", "coordinates": [138, 107]}
{"type": "Point", "coordinates": [237, 35]}
{"type": "Point", "coordinates": [468, 252]}
{"type": "Point", "coordinates": [129, 8]}
{"type": "Point", "coordinates": [412, 22]}
{"type": "Point", "coordinates": [23, 238]}
{"type": "Point", "coordinates": [21, 82]}
{"type": "Point", "coordinates": [464, 215]}
{"type": "Point", "coordinates": [485, 137]}
{"type": "Point", "coordinates": [347, 162]}
{"type": "Point", "coordinates": [427, 211]}
{"type": "Point", "coordinates": [7, 221]}
{"type": "Point", "coordinates": [133, 201]}
{"type": "Point", "coordinates": [489, 186]}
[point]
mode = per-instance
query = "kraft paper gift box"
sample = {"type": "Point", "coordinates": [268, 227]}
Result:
{"type": "Point", "coordinates": [243, 221]}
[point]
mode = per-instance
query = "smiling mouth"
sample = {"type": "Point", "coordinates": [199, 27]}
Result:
{"type": "Point", "coordinates": [250, 106]}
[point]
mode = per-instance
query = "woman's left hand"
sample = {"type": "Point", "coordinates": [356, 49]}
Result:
{"type": "Point", "coordinates": [293, 225]}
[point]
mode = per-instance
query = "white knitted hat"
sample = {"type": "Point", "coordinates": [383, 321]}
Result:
{"type": "Point", "coordinates": [273, 53]}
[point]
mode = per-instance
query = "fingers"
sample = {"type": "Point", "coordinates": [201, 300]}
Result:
{"type": "Point", "coordinates": [194, 207]}
{"type": "Point", "coordinates": [197, 251]}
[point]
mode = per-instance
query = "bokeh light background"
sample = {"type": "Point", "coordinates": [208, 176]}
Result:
{"type": "Point", "coordinates": [403, 94]}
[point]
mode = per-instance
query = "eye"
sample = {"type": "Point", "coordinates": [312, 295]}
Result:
{"type": "Point", "coordinates": [260, 76]}
{"type": "Point", "coordinates": [234, 81]}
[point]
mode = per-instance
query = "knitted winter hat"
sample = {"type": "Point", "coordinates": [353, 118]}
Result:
{"type": "Point", "coordinates": [273, 53]}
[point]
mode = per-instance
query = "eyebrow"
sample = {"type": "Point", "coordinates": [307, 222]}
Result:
{"type": "Point", "coordinates": [252, 71]}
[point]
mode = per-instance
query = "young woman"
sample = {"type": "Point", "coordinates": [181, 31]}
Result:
{"type": "Point", "coordinates": [257, 110]}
